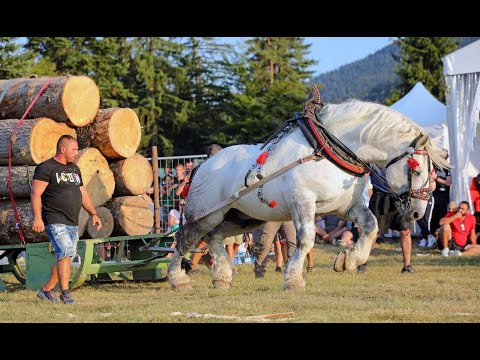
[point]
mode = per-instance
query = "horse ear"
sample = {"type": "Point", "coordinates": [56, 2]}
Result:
{"type": "Point", "coordinates": [423, 140]}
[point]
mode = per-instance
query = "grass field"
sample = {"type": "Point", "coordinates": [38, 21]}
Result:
{"type": "Point", "coordinates": [442, 290]}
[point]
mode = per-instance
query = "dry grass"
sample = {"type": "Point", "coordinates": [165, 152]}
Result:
{"type": "Point", "coordinates": [442, 290]}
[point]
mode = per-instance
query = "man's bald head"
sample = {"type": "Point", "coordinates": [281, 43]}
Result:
{"type": "Point", "coordinates": [63, 142]}
{"type": "Point", "coordinates": [67, 150]}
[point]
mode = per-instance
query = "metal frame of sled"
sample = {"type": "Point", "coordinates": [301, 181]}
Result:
{"type": "Point", "coordinates": [40, 257]}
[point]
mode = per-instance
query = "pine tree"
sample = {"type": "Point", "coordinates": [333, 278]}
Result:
{"type": "Point", "coordinates": [210, 77]}
{"type": "Point", "coordinates": [14, 62]}
{"type": "Point", "coordinates": [273, 85]}
{"type": "Point", "coordinates": [421, 60]}
{"type": "Point", "coordinates": [155, 80]}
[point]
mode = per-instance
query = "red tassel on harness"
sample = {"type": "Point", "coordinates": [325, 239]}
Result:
{"type": "Point", "coordinates": [412, 163]}
{"type": "Point", "coordinates": [262, 158]}
{"type": "Point", "coordinates": [272, 204]}
{"type": "Point", "coordinates": [185, 191]}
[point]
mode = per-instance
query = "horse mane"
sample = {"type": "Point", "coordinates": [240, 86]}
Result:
{"type": "Point", "coordinates": [380, 122]}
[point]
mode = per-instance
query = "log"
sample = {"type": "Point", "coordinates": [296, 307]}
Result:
{"type": "Point", "coordinates": [107, 224]}
{"type": "Point", "coordinates": [71, 99]}
{"type": "Point", "coordinates": [34, 141]}
{"type": "Point", "coordinates": [116, 132]}
{"type": "Point", "coordinates": [83, 218]}
{"type": "Point", "coordinates": [131, 214]}
{"type": "Point", "coordinates": [97, 177]}
{"type": "Point", "coordinates": [21, 181]}
{"type": "Point", "coordinates": [8, 233]}
{"type": "Point", "coordinates": [133, 176]}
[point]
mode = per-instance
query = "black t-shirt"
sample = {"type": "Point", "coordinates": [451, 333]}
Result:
{"type": "Point", "coordinates": [62, 199]}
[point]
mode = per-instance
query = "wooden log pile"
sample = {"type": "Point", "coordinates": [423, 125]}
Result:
{"type": "Point", "coordinates": [108, 139]}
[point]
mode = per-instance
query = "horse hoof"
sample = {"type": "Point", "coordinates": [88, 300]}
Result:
{"type": "Point", "coordinates": [339, 264]}
{"type": "Point", "coordinates": [219, 284]}
{"type": "Point", "coordinates": [183, 287]}
{"type": "Point", "coordinates": [292, 285]}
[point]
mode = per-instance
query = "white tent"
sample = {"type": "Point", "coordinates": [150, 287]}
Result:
{"type": "Point", "coordinates": [425, 110]}
{"type": "Point", "coordinates": [462, 75]}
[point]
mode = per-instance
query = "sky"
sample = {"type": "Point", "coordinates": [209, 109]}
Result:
{"type": "Point", "coordinates": [333, 52]}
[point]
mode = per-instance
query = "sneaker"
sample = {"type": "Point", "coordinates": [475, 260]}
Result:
{"type": "Point", "coordinates": [454, 253]}
{"type": "Point", "coordinates": [431, 241]}
{"type": "Point", "coordinates": [46, 295]}
{"type": "Point", "coordinates": [66, 298]}
{"type": "Point", "coordinates": [310, 269]}
{"type": "Point", "coordinates": [278, 269]}
{"type": "Point", "coordinates": [445, 252]}
{"type": "Point", "coordinates": [423, 243]}
{"type": "Point", "coordinates": [408, 269]}
{"type": "Point", "coordinates": [362, 268]}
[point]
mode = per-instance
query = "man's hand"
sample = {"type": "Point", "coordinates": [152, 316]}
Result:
{"type": "Point", "coordinates": [38, 225]}
{"type": "Point", "coordinates": [96, 221]}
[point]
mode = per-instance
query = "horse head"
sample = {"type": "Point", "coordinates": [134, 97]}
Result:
{"type": "Point", "coordinates": [409, 177]}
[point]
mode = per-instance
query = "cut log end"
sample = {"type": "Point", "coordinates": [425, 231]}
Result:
{"type": "Point", "coordinates": [81, 100]}
{"type": "Point", "coordinates": [44, 136]}
{"type": "Point", "coordinates": [97, 177]}
{"type": "Point", "coordinates": [132, 215]}
{"type": "Point", "coordinates": [107, 224]}
{"type": "Point", "coordinates": [125, 132]}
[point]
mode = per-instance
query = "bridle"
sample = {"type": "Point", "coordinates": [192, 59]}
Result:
{"type": "Point", "coordinates": [424, 192]}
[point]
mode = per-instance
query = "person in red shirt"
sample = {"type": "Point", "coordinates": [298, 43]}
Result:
{"type": "Point", "coordinates": [456, 228]}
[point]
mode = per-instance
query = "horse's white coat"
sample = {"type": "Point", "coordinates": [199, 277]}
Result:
{"type": "Point", "coordinates": [373, 132]}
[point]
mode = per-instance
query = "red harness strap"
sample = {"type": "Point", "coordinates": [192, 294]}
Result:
{"type": "Point", "coordinates": [324, 147]}
{"type": "Point", "coordinates": [10, 145]}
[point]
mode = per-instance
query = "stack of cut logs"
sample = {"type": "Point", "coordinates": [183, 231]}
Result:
{"type": "Point", "coordinates": [108, 140]}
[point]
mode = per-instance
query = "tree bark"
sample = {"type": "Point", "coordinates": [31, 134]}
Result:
{"type": "Point", "coordinates": [133, 176]}
{"type": "Point", "coordinates": [107, 224]}
{"type": "Point", "coordinates": [132, 215]}
{"type": "Point", "coordinates": [97, 177]}
{"type": "Point", "coordinates": [8, 233]}
{"type": "Point", "coordinates": [21, 181]}
{"type": "Point", "coordinates": [115, 132]}
{"type": "Point", "coordinates": [33, 142]}
{"type": "Point", "coordinates": [71, 99]}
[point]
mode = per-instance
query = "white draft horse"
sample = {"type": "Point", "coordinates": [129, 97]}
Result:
{"type": "Point", "coordinates": [373, 132]}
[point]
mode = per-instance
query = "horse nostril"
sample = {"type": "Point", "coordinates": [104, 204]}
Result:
{"type": "Point", "coordinates": [415, 215]}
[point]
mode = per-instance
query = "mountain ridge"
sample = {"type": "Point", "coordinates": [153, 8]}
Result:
{"type": "Point", "coordinates": [372, 78]}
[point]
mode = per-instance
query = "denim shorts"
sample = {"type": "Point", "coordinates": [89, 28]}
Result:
{"type": "Point", "coordinates": [64, 239]}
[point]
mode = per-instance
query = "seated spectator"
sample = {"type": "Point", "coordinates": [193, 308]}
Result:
{"type": "Point", "coordinates": [456, 228]}
{"type": "Point", "coordinates": [335, 231]}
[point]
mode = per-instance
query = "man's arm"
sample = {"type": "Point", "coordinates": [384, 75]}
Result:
{"type": "Point", "coordinates": [88, 205]}
{"type": "Point", "coordinates": [473, 236]}
{"type": "Point", "coordinates": [38, 187]}
{"type": "Point", "coordinates": [448, 220]}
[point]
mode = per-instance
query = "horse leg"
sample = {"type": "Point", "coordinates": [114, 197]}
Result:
{"type": "Point", "coordinates": [303, 218]}
{"type": "Point", "coordinates": [177, 278]}
{"type": "Point", "coordinates": [222, 264]}
{"type": "Point", "coordinates": [358, 254]}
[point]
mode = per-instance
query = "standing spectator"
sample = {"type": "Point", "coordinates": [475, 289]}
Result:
{"type": "Point", "coordinates": [441, 195]}
{"type": "Point", "coordinates": [424, 223]}
{"type": "Point", "coordinates": [57, 196]}
{"type": "Point", "coordinates": [263, 239]}
{"type": "Point", "coordinates": [382, 205]}
{"type": "Point", "coordinates": [475, 196]}
{"type": "Point", "coordinates": [455, 231]}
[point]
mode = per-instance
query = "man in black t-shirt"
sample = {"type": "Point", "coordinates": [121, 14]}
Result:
{"type": "Point", "coordinates": [57, 196]}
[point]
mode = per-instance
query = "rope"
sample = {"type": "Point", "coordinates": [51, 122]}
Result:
{"type": "Point", "coordinates": [10, 145]}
